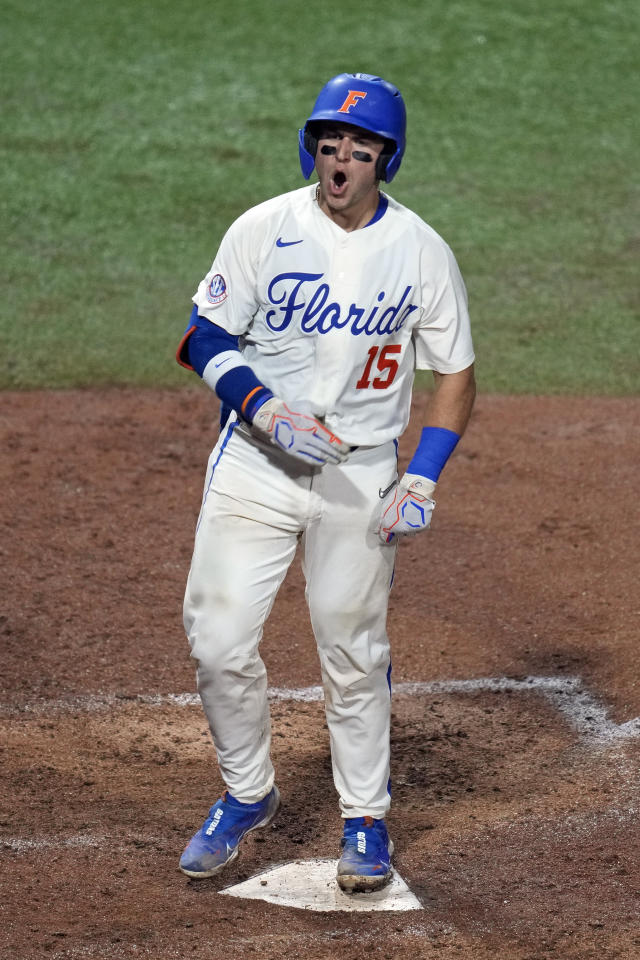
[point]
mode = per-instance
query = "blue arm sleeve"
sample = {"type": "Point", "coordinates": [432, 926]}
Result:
{"type": "Point", "coordinates": [435, 447]}
{"type": "Point", "coordinates": [239, 389]}
{"type": "Point", "coordinates": [201, 341]}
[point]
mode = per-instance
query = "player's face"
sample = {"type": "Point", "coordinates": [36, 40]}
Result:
{"type": "Point", "coordinates": [346, 166]}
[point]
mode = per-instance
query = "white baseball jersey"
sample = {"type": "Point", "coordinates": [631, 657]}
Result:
{"type": "Point", "coordinates": [336, 321]}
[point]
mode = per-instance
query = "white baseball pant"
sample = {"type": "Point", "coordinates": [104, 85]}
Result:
{"type": "Point", "coordinates": [257, 504]}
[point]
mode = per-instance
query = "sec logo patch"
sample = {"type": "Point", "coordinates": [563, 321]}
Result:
{"type": "Point", "coordinates": [217, 289]}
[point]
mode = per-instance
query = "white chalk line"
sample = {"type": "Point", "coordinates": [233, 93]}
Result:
{"type": "Point", "coordinates": [26, 844]}
{"type": "Point", "coordinates": [568, 695]}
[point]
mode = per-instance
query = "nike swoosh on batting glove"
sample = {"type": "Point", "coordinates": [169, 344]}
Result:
{"type": "Point", "coordinates": [298, 434]}
{"type": "Point", "coordinates": [407, 509]}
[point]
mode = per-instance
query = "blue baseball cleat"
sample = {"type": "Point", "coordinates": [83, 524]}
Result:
{"type": "Point", "coordinates": [216, 842]}
{"type": "Point", "coordinates": [365, 864]}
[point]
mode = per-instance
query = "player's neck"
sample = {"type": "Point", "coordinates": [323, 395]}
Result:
{"type": "Point", "coordinates": [351, 216]}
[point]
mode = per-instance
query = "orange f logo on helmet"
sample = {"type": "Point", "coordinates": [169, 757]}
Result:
{"type": "Point", "coordinates": [351, 100]}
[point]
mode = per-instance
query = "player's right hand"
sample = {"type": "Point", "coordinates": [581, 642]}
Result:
{"type": "Point", "coordinates": [298, 434]}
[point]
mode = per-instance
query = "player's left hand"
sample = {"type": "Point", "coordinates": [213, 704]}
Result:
{"type": "Point", "coordinates": [407, 508]}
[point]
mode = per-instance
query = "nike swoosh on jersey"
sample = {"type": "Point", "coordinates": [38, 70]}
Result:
{"type": "Point", "coordinates": [287, 243]}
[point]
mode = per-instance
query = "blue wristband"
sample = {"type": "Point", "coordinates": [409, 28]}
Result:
{"type": "Point", "coordinates": [254, 403]}
{"type": "Point", "coordinates": [435, 447]}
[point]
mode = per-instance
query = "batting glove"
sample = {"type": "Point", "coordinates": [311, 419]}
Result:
{"type": "Point", "coordinates": [407, 508]}
{"type": "Point", "coordinates": [298, 434]}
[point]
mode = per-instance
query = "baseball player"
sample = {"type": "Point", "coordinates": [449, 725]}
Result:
{"type": "Point", "coordinates": [318, 308]}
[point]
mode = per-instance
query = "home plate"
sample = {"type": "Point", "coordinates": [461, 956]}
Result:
{"type": "Point", "coordinates": [312, 885]}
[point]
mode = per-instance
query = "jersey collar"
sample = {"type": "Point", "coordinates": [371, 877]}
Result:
{"type": "Point", "coordinates": [383, 203]}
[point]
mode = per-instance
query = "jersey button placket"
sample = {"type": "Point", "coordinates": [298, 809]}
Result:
{"type": "Point", "coordinates": [329, 360]}
{"type": "Point", "coordinates": [340, 268]}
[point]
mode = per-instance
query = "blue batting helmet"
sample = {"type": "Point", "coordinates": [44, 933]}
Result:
{"type": "Point", "coordinates": [363, 101]}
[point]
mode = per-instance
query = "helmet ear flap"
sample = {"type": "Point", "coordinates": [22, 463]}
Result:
{"type": "Point", "coordinates": [310, 141]}
{"type": "Point", "coordinates": [307, 148]}
{"type": "Point", "coordinates": [385, 156]}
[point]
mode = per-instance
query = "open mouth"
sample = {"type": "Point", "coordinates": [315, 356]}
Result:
{"type": "Point", "coordinates": [338, 181]}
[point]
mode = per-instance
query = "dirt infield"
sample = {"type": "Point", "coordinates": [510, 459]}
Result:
{"type": "Point", "coordinates": [515, 752]}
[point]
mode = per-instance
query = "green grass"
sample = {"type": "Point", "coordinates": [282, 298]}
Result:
{"type": "Point", "coordinates": [134, 132]}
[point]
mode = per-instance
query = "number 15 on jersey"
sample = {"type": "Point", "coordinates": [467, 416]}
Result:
{"type": "Point", "coordinates": [385, 364]}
